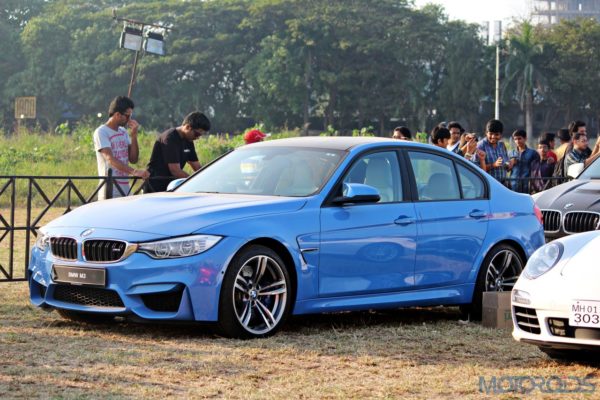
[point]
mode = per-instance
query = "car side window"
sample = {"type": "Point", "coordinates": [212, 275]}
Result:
{"type": "Point", "coordinates": [379, 170]}
{"type": "Point", "coordinates": [435, 177]}
{"type": "Point", "coordinates": [471, 184]}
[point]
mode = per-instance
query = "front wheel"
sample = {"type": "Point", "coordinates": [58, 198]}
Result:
{"type": "Point", "coordinates": [256, 294]}
{"type": "Point", "coordinates": [499, 272]}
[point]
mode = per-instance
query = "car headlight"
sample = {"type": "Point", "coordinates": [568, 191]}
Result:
{"type": "Point", "coordinates": [179, 247]}
{"type": "Point", "coordinates": [42, 241]}
{"type": "Point", "coordinates": [543, 260]}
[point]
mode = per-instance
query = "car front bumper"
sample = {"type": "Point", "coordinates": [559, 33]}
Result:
{"type": "Point", "coordinates": [172, 289]}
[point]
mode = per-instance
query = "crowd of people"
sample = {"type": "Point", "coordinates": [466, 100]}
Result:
{"type": "Point", "coordinates": [523, 169]}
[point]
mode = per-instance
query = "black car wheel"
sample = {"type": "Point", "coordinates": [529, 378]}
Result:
{"type": "Point", "coordinates": [255, 296]}
{"type": "Point", "coordinates": [499, 272]}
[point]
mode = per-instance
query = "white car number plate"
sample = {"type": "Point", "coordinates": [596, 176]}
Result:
{"type": "Point", "coordinates": [585, 313]}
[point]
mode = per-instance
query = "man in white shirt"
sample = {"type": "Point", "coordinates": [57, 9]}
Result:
{"type": "Point", "coordinates": [116, 148]}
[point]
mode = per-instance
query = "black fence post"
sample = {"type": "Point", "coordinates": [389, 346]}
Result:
{"type": "Point", "coordinates": [109, 184]}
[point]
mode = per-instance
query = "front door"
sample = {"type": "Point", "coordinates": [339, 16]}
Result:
{"type": "Point", "coordinates": [369, 248]}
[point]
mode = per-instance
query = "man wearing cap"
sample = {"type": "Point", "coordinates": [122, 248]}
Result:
{"type": "Point", "coordinates": [254, 136]}
{"type": "Point", "coordinates": [173, 149]}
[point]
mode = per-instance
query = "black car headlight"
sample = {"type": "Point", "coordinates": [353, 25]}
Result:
{"type": "Point", "coordinates": [42, 241]}
{"type": "Point", "coordinates": [179, 247]}
{"type": "Point", "coordinates": [543, 260]}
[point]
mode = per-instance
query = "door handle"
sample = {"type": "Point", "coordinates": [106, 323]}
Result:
{"type": "Point", "coordinates": [477, 214]}
{"type": "Point", "coordinates": [404, 220]}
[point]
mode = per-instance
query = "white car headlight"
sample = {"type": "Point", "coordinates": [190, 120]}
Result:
{"type": "Point", "coordinates": [543, 260]}
{"type": "Point", "coordinates": [42, 241]}
{"type": "Point", "coordinates": [179, 247]}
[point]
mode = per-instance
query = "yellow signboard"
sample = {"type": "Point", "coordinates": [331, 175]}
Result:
{"type": "Point", "coordinates": [25, 107]}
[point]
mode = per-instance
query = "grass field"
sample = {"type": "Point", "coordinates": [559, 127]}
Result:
{"type": "Point", "coordinates": [409, 354]}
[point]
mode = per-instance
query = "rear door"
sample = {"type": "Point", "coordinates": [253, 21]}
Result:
{"type": "Point", "coordinates": [452, 207]}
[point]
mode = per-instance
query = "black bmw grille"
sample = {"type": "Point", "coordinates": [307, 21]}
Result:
{"type": "Point", "coordinates": [581, 221]}
{"type": "Point", "coordinates": [88, 296]}
{"type": "Point", "coordinates": [551, 220]}
{"type": "Point", "coordinates": [527, 319]}
{"type": "Point", "coordinates": [63, 247]}
{"type": "Point", "coordinates": [103, 250]}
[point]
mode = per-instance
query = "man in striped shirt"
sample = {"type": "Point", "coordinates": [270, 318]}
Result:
{"type": "Point", "coordinates": [497, 162]}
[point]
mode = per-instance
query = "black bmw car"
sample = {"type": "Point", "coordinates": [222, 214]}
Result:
{"type": "Point", "coordinates": [572, 207]}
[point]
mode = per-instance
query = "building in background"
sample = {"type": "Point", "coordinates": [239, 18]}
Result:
{"type": "Point", "coordinates": [550, 12]}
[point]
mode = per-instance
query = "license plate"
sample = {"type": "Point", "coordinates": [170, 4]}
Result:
{"type": "Point", "coordinates": [79, 276]}
{"type": "Point", "coordinates": [585, 313]}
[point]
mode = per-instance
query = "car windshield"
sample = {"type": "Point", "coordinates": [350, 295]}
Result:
{"type": "Point", "coordinates": [269, 171]}
{"type": "Point", "coordinates": [591, 172]}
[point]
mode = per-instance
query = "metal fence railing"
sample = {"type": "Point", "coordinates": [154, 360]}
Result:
{"type": "Point", "coordinates": [28, 202]}
{"type": "Point", "coordinates": [533, 185]}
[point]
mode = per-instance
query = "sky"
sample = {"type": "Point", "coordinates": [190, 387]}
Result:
{"type": "Point", "coordinates": [479, 11]}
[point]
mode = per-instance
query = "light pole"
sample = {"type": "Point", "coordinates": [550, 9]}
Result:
{"type": "Point", "coordinates": [497, 38]}
{"type": "Point", "coordinates": [136, 37]}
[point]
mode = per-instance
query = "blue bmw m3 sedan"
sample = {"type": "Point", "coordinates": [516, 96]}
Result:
{"type": "Point", "coordinates": [291, 226]}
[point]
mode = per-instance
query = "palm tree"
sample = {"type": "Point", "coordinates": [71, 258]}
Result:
{"type": "Point", "coordinates": [523, 69]}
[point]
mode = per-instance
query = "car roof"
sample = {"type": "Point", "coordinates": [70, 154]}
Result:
{"type": "Point", "coordinates": [334, 142]}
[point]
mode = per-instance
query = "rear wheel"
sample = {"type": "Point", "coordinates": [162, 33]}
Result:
{"type": "Point", "coordinates": [499, 272]}
{"type": "Point", "coordinates": [85, 317]}
{"type": "Point", "coordinates": [256, 294]}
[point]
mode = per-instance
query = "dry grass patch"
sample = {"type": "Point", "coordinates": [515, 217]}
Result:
{"type": "Point", "coordinates": [408, 354]}
{"type": "Point", "coordinates": [411, 353]}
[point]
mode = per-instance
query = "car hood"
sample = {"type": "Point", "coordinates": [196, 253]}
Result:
{"type": "Point", "coordinates": [581, 194]}
{"type": "Point", "coordinates": [172, 214]}
{"type": "Point", "coordinates": [583, 265]}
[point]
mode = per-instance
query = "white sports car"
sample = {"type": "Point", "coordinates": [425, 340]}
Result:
{"type": "Point", "coordinates": [556, 301]}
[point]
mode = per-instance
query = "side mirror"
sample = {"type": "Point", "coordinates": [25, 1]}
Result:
{"type": "Point", "coordinates": [354, 193]}
{"type": "Point", "coordinates": [574, 170]}
{"type": "Point", "coordinates": [175, 184]}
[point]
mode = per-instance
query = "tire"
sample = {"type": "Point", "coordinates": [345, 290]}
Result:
{"type": "Point", "coordinates": [85, 317]}
{"type": "Point", "coordinates": [499, 272]}
{"type": "Point", "coordinates": [256, 295]}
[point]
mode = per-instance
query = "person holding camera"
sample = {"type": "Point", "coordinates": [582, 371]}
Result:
{"type": "Point", "coordinates": [496, 161]}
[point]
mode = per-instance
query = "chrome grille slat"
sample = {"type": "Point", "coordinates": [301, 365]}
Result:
{"type": "Point", "coordinates": [580, 221]}
{"type": "Point", "coordinates": [64, 248]}
{"type": "Point", "coordinates": [552, 220]}
{"type": "Point", "coordinates": [103, 250]}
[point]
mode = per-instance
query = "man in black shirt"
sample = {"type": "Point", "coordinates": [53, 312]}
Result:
{"type": "Point", "coordinates": [173, 149]}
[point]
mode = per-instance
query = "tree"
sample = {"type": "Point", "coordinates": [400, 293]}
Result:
{"type": "Point", "coordinates": [524, 69]}
{"type": "Point", "coordinates": [574, 54]}
{"type": "Point", "coordinates": [468, 77]}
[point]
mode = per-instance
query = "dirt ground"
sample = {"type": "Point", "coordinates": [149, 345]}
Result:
{"type": "Point", "coordinates": [408, 353]}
